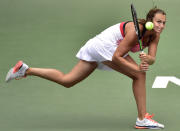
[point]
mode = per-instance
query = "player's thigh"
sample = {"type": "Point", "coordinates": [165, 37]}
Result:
{"type": "Point", "coordinates": [124, 70]}
{"type": "Point", "coordinates": [135, 75]}
{"type": "Point", "coordinates": [80, 71]}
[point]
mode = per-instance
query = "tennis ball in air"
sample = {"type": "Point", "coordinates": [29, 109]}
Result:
{"type": "Point", "coordinates": [149, 25]}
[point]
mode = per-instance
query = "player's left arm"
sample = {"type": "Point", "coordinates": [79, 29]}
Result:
{"type": "Point", "coordinates": [152, 49]}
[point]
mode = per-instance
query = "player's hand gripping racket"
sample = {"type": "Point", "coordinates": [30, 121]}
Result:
{"type": "Point", "coordinates": [136, 25]}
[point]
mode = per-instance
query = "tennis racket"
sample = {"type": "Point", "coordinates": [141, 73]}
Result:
{"type": "Point", "coordinates": [136, 25]}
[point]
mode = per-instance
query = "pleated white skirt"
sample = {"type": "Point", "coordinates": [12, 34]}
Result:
{"type": "Point", "coordinates": [96, 50]}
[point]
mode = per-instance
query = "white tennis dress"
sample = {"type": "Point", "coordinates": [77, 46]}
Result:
{"type": "Point", "coordinates": [102, 47]}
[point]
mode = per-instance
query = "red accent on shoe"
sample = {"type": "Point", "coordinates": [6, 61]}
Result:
{"type": "Point", "coordinates": [148, 116]}
{"type": "Point", "coordinates": [17, 66]}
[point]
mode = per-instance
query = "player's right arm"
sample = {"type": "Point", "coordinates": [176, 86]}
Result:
{"type": "Point", "coordinates": [124, 47]}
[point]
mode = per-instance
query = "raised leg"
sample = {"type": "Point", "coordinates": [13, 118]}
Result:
{"type": "Point", "coordinates": [77, 74]}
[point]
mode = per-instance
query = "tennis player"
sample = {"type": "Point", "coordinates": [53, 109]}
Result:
{"type": "Point", "coordinates": [109, 51]}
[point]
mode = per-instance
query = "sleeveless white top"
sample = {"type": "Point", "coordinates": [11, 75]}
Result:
{"type": "Point", "coordinates": [102, 46]}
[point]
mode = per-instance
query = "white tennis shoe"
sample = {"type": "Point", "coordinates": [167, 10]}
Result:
{"type": "Point", "coordinates": [18, 71]}
{"type": "Point", "coordinates": [148, 123]}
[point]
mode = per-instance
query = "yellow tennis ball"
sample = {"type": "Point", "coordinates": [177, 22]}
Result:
{"type": "Point", "coordinates": [149, 25]}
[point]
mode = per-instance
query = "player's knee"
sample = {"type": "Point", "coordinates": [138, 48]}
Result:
{"type": "Point", "coordinates": [139, 75]}
{"type": "Point", "coordinates": [68, 85]}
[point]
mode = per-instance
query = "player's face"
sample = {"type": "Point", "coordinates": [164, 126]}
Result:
{"type": "Point", "coordinates": [159, 21]}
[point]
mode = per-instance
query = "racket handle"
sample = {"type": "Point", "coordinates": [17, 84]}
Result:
{"type": "Point", "coordinates": [142, 51]}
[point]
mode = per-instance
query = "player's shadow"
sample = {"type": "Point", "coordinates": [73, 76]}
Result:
{"type": "Point", "coordinates": [85, 123]}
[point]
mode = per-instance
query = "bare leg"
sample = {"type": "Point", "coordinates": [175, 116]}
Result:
{"type": "Point", "coordinates": [77, 74]}
{"type": "Point", "coordinates": [138, 85]}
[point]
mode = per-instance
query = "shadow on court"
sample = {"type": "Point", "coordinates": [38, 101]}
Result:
{"type": "Point", "coordinates": [73, 123]}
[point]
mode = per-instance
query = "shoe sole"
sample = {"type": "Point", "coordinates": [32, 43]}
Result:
{"type": "Point", "coordinates": [147, 127]}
